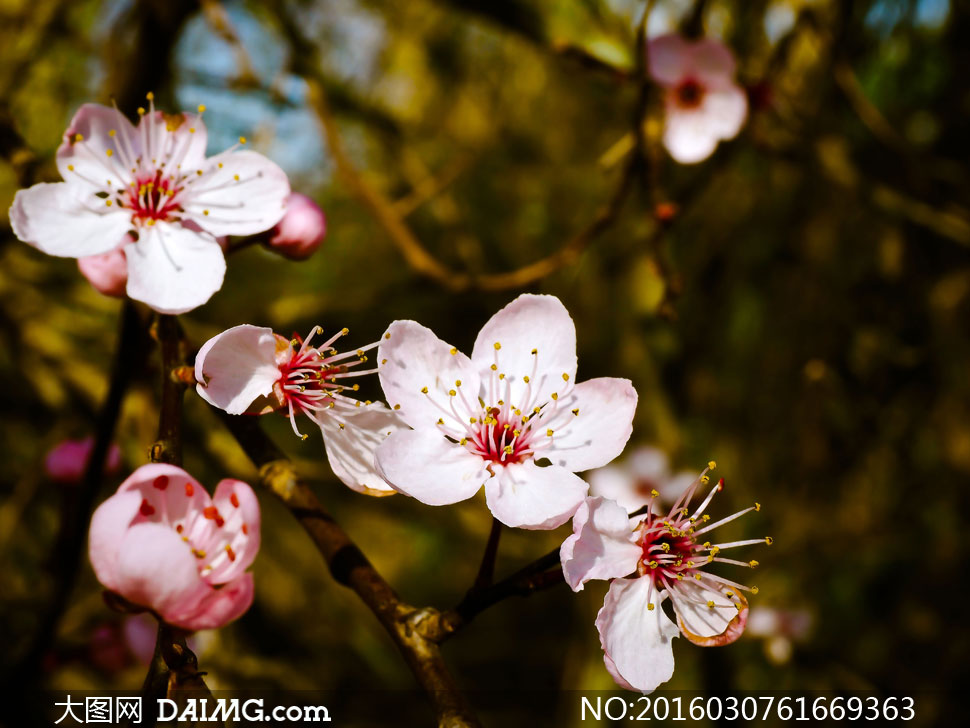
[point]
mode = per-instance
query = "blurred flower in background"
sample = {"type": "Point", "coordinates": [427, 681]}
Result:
{"type": "Point", "coordinates": [780, 629]}
{"type": "Point", "coordinates": [66, 462]}
{"type": "Point", "coordinates": [631, 482]}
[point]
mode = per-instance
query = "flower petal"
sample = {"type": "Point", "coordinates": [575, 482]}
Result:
{"type": "Point", "coordinates": [84, 161]}
{"type": "Point", "coordinates": [529, 323]}
{"type": "Point", "coordinates": [176, 141]}
{"type": "Point", "coordinates": [109, 524]}
{"type": "Point", "coordinates": [668, 59]}
{"type": "Point", "coordinates": [428, 467]}
{"type": "Point", "coordinates": [55, 219]}
{"type": "Point", "coordinates": [712, 62]}
{"type": "Point", "coordinates": [174, 269]}
{"type": "Point", "coordinates": [527, 496]}
{"type": "Point", "coordinates": [724, 111]}
{"type": "Point", "coordinates": [239, 193]}
{"type": "Point", "coordinates": [238, 506]}
{"type": "Point", "coordinates": [705, 625]}
{"type": "Point", "coordinates": [636, 639]}
{"type": "Point", "coordinates": [351, 449]}
{"type": "Point", "coordinates": [156, 569]}
{"type": "Point", "coordinates": [617, 484]}
{"type": "Point", "coordinates": [600, 430]}
{"type": "Point", "coordinates": [600, 546]}
{"type": "Point", "coordinates": [237, 366]}
{"type": "Point", "coordinates": [220, 606]}
{"type": "Point", "coordinates": [411, 359]}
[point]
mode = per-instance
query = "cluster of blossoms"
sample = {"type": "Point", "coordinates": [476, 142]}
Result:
{"type": "Point", "coordinates": [148, 214]}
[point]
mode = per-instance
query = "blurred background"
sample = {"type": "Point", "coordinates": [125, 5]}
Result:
{"type": "Point", "coordinates": [796, 307]}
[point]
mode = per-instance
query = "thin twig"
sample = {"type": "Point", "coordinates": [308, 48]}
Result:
{"type": "Point", "coordinates": [350, 567]}
{"type": "Point", "coordinates": [486, 572]}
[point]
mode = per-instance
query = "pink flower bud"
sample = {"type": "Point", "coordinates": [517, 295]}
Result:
{"type": "Point", "coordinates": [302, 229]}
{"type": "Point", "coordinates": [108, 272]}
{"type": "Point", "coordinates": [161, 542]}
{"type": "Point", "coordinates": [66, 462]}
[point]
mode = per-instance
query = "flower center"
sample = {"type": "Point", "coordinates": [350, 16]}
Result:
{"type": "Point", "coordinates": [151, 198]}
{"type": "Point", "coordinates": [500, 438]}
{"type": "Point", "coordinates": [689, 94]}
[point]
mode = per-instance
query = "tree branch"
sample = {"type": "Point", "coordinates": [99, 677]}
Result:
{"type": "Point", "coordinates": [350, 567]}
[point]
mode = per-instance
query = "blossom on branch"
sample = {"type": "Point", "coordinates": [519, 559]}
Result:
{"type": "Point", "coordinates": [249, 369]}
{"type": "Point", "coordinates": [511, 417]}
{"type": "Point", "coordinates": [651, 559]}
{"type": "Point", "coordinates": [303, 227]}
{"type": "Point", "coordinates": [162, 543]}
{"type": "Point", "coordinates": [155, 183]}
{"type": "Point", "coordinates": [702, 102]}
{"type": "Point", "coordinates": [632, 482]}
{"type": "Point", "coordinates": [66, 461]}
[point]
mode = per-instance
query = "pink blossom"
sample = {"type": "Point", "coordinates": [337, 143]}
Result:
{"type": "Point", "coordinates": [155, 182]}
{"type": "Point", "coordinates": [66, 462]}
{"type": "Point", "coordinates": [162, 543]}
{"type": "Point", "coordinates": [303, 227]}
{"type": "Point", "coordinates": [651, 559]}
{"type": "Point", "coordinates": [107, 272]}
{"type": "Point", "coordinates": [510, 418]}
{"type": "Point", "coordinates": [703, 103]}
{"type": "Point", "coordinates": [251, 369]}
{"type": "Point", "coordinates": [641, 478]}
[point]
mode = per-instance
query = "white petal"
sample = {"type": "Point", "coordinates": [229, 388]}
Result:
{"type": "Point", "coordinates": [725, 111]}
{"type": "Point", "coordinates": [636, 639]}
{"type": "Point", "coordinates": [351, 449]}
{"type": "Point", "coordinates": [426, 466]}
{"type": "Point", "coordinates": [237, 366]}
{"type": "Point", "coordinates": [687, 136]}
{"type": "Point", "coordinates": [239, 193]}
{"type": "Point", "coordinates": [527, 496]}
{"type": "Point", "coordinates": [174, 269]}
{"type": "Point", "coordinates": [668, 59]}
{"type": "Point", "coordinates": [601, 545]}
{"type": "Point", "coordinates": [617, 484]}
{"type": "Point", "coordinates": [706, 625]}
{"type": "Point", "coordinates": [600, 431]}
{"type": "Point", "coordinates": [86, 162]}
{"type": "Point", "coordinates": [178, 141]}
{"type": "Point", "coordinates": [530, 323]}
{"type": "Point", "coordinates": [413, 359]}
{"type": "Point", "coordinates": [54, 219]}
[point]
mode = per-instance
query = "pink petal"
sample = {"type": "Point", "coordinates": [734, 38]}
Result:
{"type": "Point", "coordinates": [601, 545]}
{"type": "Point", "coordinates": [724, 111]}
{"type": "Point", "coordinates": [236, 367]}
{"type": "Point", "coordinates": [527, 496]}
{"type": "Point", "coordinates": [220, 606]}
{"type": "Point", "coordinates": [668, 59]}
{"type": "Point", "coordinates": [238, 506]}
{"type": "Point", "coordinates": [107, 272]}
{"type": "Point", "coordinates": [426, 466]}
{"type": "Point", "coordinates": [705, 625]}
{"type": "Point", "coordinates": [411, 359]}
{"type": "Point", "coordinates": [177, 139]}
{"type": "Point", "coordinates": [687, 136]}
{"type": "Point", "coordinates": [57, 220]}
{"type": "Point", "coordinates": [618, 484]}
{"type": "Point", "coordinates": [109, 524]}
{"type": "Point", "coordinates": [712, 62]}
{"type": "Point", "coordinates": [84, 162]}
{"type": "Point", "coordinates": [243, 192]}
{"type": "Point", "coordinates": [174, 269]}
{"type": "Point", "coordinates": [636, 640]}
{"type": "Point", "coordinates": [351, 449]}
{"type": "Point", "coordinates": [66, 462]}
{"type": "Point", "coordinates": [600, 431]}
{"type": "Point", "coordinates": [156, 569]}
{"type": "Point", "coordinates": [529, 323]}
{"type": "Point", "coordinates": [303, 227]}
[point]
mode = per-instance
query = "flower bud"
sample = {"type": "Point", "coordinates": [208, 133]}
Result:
{"type": "Point", "coordinates": [67, 461]}
{"type": "Point", "coordinates": [302, 229]}
{"type": "Point", "coordinates": [108, 272]}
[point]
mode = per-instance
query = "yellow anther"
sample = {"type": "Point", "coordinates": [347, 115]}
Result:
{"type": "Point", "coordinates": [710, 603]}
{"type": "Point", "coordinates": [111, 132]}
{"type": "Point", "coordinates": [565, 377]}
{"type": "Point", "coordinates": [494, 367]}
{"type": "Point", "coordinates": [150, 222]}
{"type": "Point", "coordinates": [697, 576]}
{"type": "Point", "coordinates": [397, 406]}
{"type": "Point", "coordinates": [683, 511]}
{"type": "Point", "coordinates": [705, 518]}
{"type": "Point", "coordinates": [650, 607]}
{"type": "Point", "coordinates": [501, 403]}
{"type": "Point", "coordinates": [729, 593]}
{"type": "Point", "coordinates": [236, 177]}
{"type": "Point", "coordinates": [340, 425]}
{"type": "Point", "coordinates": [356, 387]}
{"type": "Point", "coordinates": [457, 382]}
{"type": "Point", "coordinates": [440, 421]}
{"type": "Point", "coordinates": [150, 96]}
{"type": "Point", "coordinates": [199, 553]}
{"type": "Point", "coordinates": [198, 172]}
{"type": "Point", "coordinates": [501, 376]}
{"type": "Point", "coordinates": [508, 449]}
{"type": "Point", "coordinates": [424, 390]}
{"type": "Point", "coordinates": [498, 345]}
{"type": "Point", "coordinates": [454, 350]}
{"type": "Point", "coordinates": [548, 433]}
{"type": "Point", "coordinates": [576, 411]}
{"type": "Point", "coordinates": [463, 441]}
{"type": "Point", "coordinates": [452, 392]}
{"type": "Point", "coordinates": [344, 331]}
{"type": "Point", "coordinates": [769, 540]}
{"type": "Point", "coordinates": [711, 465]}
{"type": "Point", "coordinates": [754, 590]}
{"type": "Point", "coordinates": [516, 433]}
{"type": "Point", "coordinates": [505, 426]}
{"type": "Point", "coordinates": [654, 493]}
{"type": "Point", "coordinates": [680, 577]}
{"type": "Point", "coordinates": [141, 111]}
{"type": "Point", "coordinates": [79, 137]}
{"type": "Point", "coordinates": [304, 437]}
{"type": "Point", "coordinates": [554, 396]}
{"type": "Point", "coordinates": [201, 108]}
{"type": "Point", "coordinates": [70, 167]}
{"type": "Point", "coordinates": [706, 544]}
{"type": "Point", "coordinates": [108, 203]}
{"type": "Point", "coordinates": [525, 379]}
{"type": "Point", "coordinates": [383, 361]}
{"type": "Point", "coordinates": [535, 351]}
{"type": "Point", "coordinates": [705, 480]}
{"type": "Point", "coordinates": [205, 212]}
{"type": "Point", "coordinates": [242, 140]}
{"type": "Point", "coordinates": [387, 335]}
{"type": "Point", "coordinates": [753, 564]}
{"type": "Point", "coordinates": [757, 506]}
{"type": "Point", "coordinates": [472, 420]}
{"type": "Point", "coordinates": [665, 547]}
{"type": "Point", "coordinates": [715, 551]}
{"type": "Point", "coordinates": [653, 564]}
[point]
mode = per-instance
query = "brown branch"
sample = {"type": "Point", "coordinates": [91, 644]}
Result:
{"type": "Point", "coordinates": [168, 444]}
{"type": "Point", "coordinates": [350, 567]}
